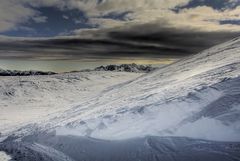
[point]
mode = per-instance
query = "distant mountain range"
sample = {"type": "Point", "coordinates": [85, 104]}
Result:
{"type": "Point", "coordinates": [126, 68]}
{"type": "Point", "coordinates": [119, 68]}
{"type": "Point", "coordinates": [23, 73]}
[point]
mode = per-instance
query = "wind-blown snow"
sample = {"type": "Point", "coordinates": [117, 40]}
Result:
{"type": "Point", "coordinates": [195, 97]}
{"type": "Point", "coordinates": [198, 97]}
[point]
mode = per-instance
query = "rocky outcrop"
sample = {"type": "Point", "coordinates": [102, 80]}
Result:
{"type": "Point", "coordinates": [126, 68]}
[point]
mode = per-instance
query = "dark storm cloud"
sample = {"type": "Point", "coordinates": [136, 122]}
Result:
{"type": "Point", "coordinates": [148, 40]}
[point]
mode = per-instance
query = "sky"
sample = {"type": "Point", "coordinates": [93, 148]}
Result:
{"type": "Point", "coordinates": [93, 32]}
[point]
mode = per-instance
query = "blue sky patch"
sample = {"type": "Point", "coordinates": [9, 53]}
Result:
{"type": "Point", "coordinates": [232, 22]}
{"type": "Point", "coordinates": [117, 16]}
{"type": "Point", "coordinates": [57, 22]}
{"type": "Point", "coordinates": [215, 4]}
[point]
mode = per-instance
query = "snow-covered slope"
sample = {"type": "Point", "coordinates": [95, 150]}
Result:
{"type": "Point", "coordinates": [196, 97]}
{"type": "Point", "coordinates": [29, 99]}
{"type": "Point", "coordinates": [75, 148]}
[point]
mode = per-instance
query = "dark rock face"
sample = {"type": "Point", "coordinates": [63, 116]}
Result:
{"type": "Point", "coordinates": [126, 68]}
{"type": "Point", "coordinates": [23, 73]}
